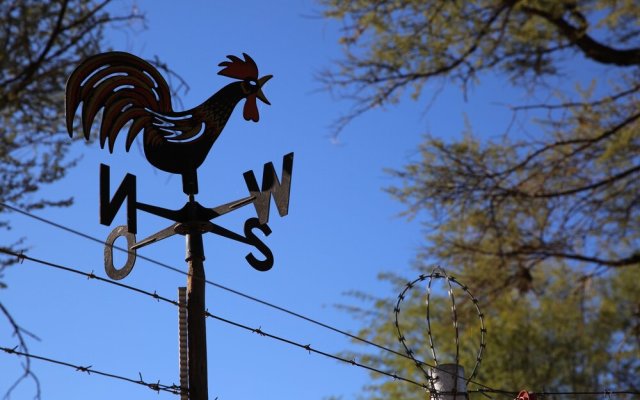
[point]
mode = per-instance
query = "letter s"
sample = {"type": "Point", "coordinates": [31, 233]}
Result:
{"type": "Point", "coordinates": [252, 239]}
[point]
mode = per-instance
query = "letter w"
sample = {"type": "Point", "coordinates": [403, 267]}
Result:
{"type": "Point", "coordinates": [271, 185]}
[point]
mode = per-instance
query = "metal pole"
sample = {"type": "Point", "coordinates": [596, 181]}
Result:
{"type": "Point", "coordinates": [196, 329]}
{"type": "Point", "coordinates": [449, 382]}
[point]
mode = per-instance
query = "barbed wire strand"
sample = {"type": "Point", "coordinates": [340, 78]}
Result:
{"type": "Point", "coordinates": [258, 331]}
{"type": "Point", "coordinates": [233, 291]}
{"type": "Point", "coordinates": [567, 393]}
{"type": "Point", "coordinates": [156, 387]}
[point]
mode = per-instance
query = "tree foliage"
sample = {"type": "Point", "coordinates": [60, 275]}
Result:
{"type": "Point", "coordinates": [391, 46]}
{"type": "Point", "coordinates": [565, 190]}
{"type": "Point", "coordinates": [543, 222]}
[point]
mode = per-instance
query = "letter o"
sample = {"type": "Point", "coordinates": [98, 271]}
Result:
{"type": "Point", "coordinates": [110, 269]}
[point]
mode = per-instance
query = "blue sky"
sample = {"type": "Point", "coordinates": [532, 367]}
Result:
{"type": "Point", "coordinates": [341, 231]}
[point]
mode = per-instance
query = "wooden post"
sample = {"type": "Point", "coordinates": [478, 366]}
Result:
{"type": "Point", "coordinates": [196, 318]}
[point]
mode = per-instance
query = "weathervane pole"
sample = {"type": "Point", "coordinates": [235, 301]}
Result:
{"type": "Point", "coordinates": [196, 317]}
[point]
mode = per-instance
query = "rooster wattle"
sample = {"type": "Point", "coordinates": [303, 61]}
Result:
{"type": "Point", "coordinates": [128, 89]}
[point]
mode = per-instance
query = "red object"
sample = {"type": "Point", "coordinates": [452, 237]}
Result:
{"type": "Point", "coordinates": [524, 395]}
{"type": "Point", "coordinates": [246, 70]}
{"type": "Point", "coordinates": [239, 69]}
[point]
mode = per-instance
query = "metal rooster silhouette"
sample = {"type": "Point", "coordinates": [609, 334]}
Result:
{"type": "Point", "coordinates": [130, 90]}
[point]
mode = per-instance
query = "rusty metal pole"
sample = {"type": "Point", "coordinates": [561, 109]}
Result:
{"type": "Point", "coordinates": [196, 318]}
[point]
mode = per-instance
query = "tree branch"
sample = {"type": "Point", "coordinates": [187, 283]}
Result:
{"type": "Point", "coordinates": [604, 182]}
{"type": "Point", "coordinates": [589, 46]}
{"type": "Point", "coordinates": [561, 106]}
{"type": "Point", "coordinates": [19, 333]}
{"type": "Point", "coordinates": [30, 69]}
{"type": "Point", "coordinates": [541, 253]}
{"type": "Point", "coordinates": [582, 141]}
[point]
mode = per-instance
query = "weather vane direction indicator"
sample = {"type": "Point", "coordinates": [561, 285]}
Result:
{"type": "Point", "coordinates": [131, 91]}
{"type": "Point", "coordinates": [194, 216]}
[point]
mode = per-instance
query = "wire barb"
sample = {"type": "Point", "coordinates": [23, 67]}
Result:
{"type": "Point", "coordinates": [84, 369]}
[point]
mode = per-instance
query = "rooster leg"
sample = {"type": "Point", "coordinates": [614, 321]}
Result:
{"type": "Point", "coordinates": [190, 182]}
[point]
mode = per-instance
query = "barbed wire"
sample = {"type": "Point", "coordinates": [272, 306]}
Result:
{"type": "Point", "coordinates": [156, 387]}
{"type": "Point", "coordinates": [230, 290]}
{"type": "Point", "coordinates": [176, 389]}
{"type": "Point", "coordinates": [438, 273]}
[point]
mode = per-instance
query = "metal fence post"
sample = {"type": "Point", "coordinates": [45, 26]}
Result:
{"type": "Point", "coordinates": [449, 382]}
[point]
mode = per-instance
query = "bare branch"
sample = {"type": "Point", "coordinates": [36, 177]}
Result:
{"type": "Point", "coordinates": [27, 372]}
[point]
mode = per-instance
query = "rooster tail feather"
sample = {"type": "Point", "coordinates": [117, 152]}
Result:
{"type": "Point", "coordinates": [134, 129]}
{"type": "Point", "coordinates": [124, 87]}
{"type": "Point", "coordinates": [115, 121]}
{"type": "Point", "coordinates": [110, 112]}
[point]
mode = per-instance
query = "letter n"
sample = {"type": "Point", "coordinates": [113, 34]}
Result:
{"type": "Point", "coordinates": [109, 207]}
{"type": "Point", "coordinates": [271, 185]}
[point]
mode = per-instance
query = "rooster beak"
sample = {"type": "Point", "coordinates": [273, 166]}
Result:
{"type": "Point", "coordinates": [261, 83]}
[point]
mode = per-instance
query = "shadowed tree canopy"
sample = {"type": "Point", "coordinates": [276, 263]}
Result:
{"type": "Point", "coordinates": [41, 42]}
{"type": "Point", "coordinates": [543, 221]}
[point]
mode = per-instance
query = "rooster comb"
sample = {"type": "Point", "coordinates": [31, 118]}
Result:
{"type": "Point", "coordinates": [239, 69]}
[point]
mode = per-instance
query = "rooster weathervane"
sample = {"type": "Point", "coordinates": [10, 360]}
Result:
{"type": "Point", "coordinates": [130, 91]}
